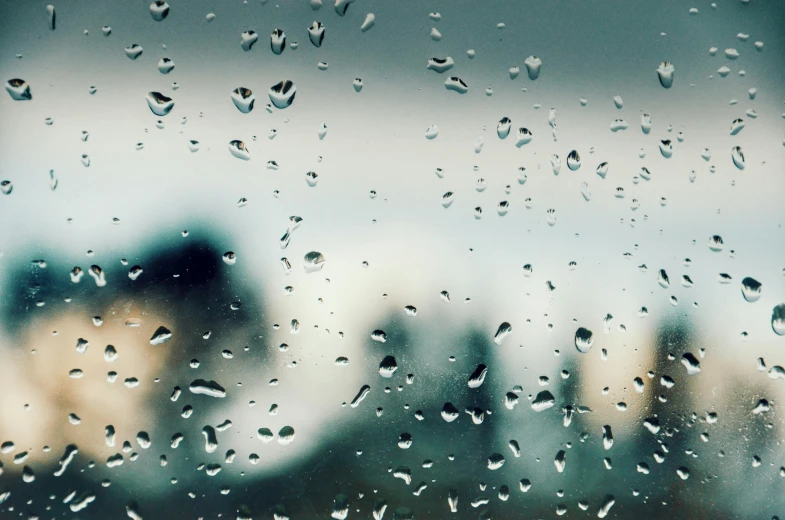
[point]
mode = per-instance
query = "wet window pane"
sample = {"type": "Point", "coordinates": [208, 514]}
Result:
{"type": "Point", "coordinates": [373, 259]}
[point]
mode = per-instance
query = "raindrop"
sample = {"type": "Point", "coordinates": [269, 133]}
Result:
{"type": "Point", "coordinates": [440, 64]}
{"type": "Point", "coordinates": [133, 51]}
{"type": "Point", "coordinates": [738, 157]}
{"type": "Point", "coordinates": [503, 128]}
{"type": "Point", "coordinates": [159, 104]}
{"type": "Point", "coordinates": [524, 137]}
{"type": "Point", "coordinates": [665, 72]}
{"type": "Point", "coordinates": [282, 93]}
{"type": "Point", "coordinates": [751, 289]}
{"type": "Point", "coordinates": [502, 332]}
{"type": "Point", "coordinates": [778, 319]}
{"type": "Point", "coordinates": [583, 340]}
{"type": "Point", "coordinates": [316, 33]}
{"type": "Point", "coordinates": [573, 160]}
{"type": "Point", "coordinates": [247, 40]}
{"type": "Point", "coordinates": [18, 89]}
{"type": "Point", "coordinates": [238, 149]}
{"type": "Point", "coordinates": [543, 401]}
{"type": "Point", "coordinates": [165, 66]}
{"type": "Point", "coordinates": [278, 42]}
{"type": "Point", "coordinates": [533, 66]}
{"type": "Point", "coordinates": [457, 84]}
{"type": "Point", "coordinates": [159, 10]}
{"type": "Point", "coordinates": [243, 99]}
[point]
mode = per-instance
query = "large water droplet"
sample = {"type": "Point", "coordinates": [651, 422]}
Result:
{"type": "Point", "coordinates": [583, 340]}
{"type": "Point", "coordinates": [282, 93]}
{"type": "Point", "coordinates": [18, 89]}
{"type": "Point", "coordinates": [159, 104]}
{"type": "Point", "coordinates": [524, 137]}
{"type": "Point", "coordinates": [316, 33]}
{"type": "Point", "coordinates": [738, 157]}
{"type": "Point", "coordinates": [778, 319]}
{"type": "Point", "coordinates": [238, 149]}
{"type": "Point", "coordinates": [543, 401]}
{"type": "Point", "coordinates": [159, 10]}
{"type": "Point", "coordinates": [665, 72]}
{"type": "Point", "coordinates": [51, 17]}
{"type": "Point", "coordinates": [478, 376]}
{"type": "Point", "coordinates": [247, 40]}
{"type": "Point", "coordinates": [208, 388]}
{"type": "Point", "coordinates": [277, 41]}
{"type": "Point", "coordinates": [502, 332]}
{"type": "Point", "coordinates": [313, 261]}
{"type": "Point", "coordinates": [243, 99]}
{"type": "Point", "coordinates": [503, 128]}
{"type": "Point", "coordinates": [533, 66]}
{"type": "Point", "coordinates": [456, 84]}
{"type": "Point", "coordinates": [165, 66]}
{"type": "Point", "coordinates": [751, 289]}
{"type": "Point", "coordinates": [573, 160]}
{"type": "Point", "coordinates": [440, 64]}
{"type": "Point", "coordinates": [161, 336]}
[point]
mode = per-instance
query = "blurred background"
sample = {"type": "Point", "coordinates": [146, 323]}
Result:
{"type": "Point", "coordinates": [100, 187]}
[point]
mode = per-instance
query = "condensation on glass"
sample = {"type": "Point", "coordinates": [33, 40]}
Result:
{"type": "Point", "coordinates": [372, 259]}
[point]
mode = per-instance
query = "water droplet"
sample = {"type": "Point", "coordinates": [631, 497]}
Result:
{"type": "Point", "coordinates": [533, 66]}
{"type": "Point", "coordinates": [431, 132]}
{"type": "Point", "coordinates": [208, 388]}
{"type": "Point", "coordinates": [524, 137]}
{"type": "Point", "coordinates": [736, 126]}
{"type": "Point", "coordinates": [478, 376]}
{"type": "Point", "coordinates": [560, 461]}
{"type": "Point", "coordinates": [618, 124]}
{"type": "Point", "coordinates": [357, 84]}
{"type": "Point", "coordinates": [341, 6]}
{"type": "Point", "coordinates": [159, 104]}
{"type": "Point", "coordinates": [370, 20]}
{"type": "Point", "coordinates": [456, 84]}
{"type": "Point", "coordinates": [18, 89]}
{"type": "Point", "coordinates": [606, 506]}
{"type": "Point", "coordinates": [662, 279]}
{"type": "Point", "coordinates": [543, 401]}
{"type": "Point", "coordinates": [165, 66]}
{"type": "Point", "coordinates": [51, 16]}
{"type": "Point", "coordinates": [573, 160]}
{"type": "Point", "coordinates": [285, 435]}
{"type": "Point", "coordinates": [504, 330]}
{"type": "Point", "coordinates": [583, 340]}
{"type": "Point", "coordinates": [751, 289]}
{"type": "Point", "coordinates": [362, 394]}
{"type": "Point", "coordinates": [282, 93]}
{"type": "Point", "coordinates": [313, 261]}
{"type": "Point", "coordinates": [316, 33]}
{"type": "Point", "coordinates": [495, 461]}
{"type": "Point", "coordinates": [247, 40]}
{"type": "Point", "coordinates": [715, 243]}
{"type": "Point", "coordinates": [585, 191]}
{"type": "Point", "coordinates": [665, 73]}
{"type": "Point", "coordinates": [778, 319]}
{"type": "Point", "coordinates": [238, 149]}
{"type": "Point", "coordinates": [277, 41]}
{"type": "Point", "coordinates": [159, 10]}
{"type": "Point", "coordinates": [666, 148]}
{"type": "Point", "coordinates": [691, 363]}
{"type": "Point", "coordinates": [503, 128]}
{"type": "Point", "coordinates": [738, 157]}
{"type": "Point", "coordinates": [243, 99]}
{"type": "Point", "coordinates": [440, 64]}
